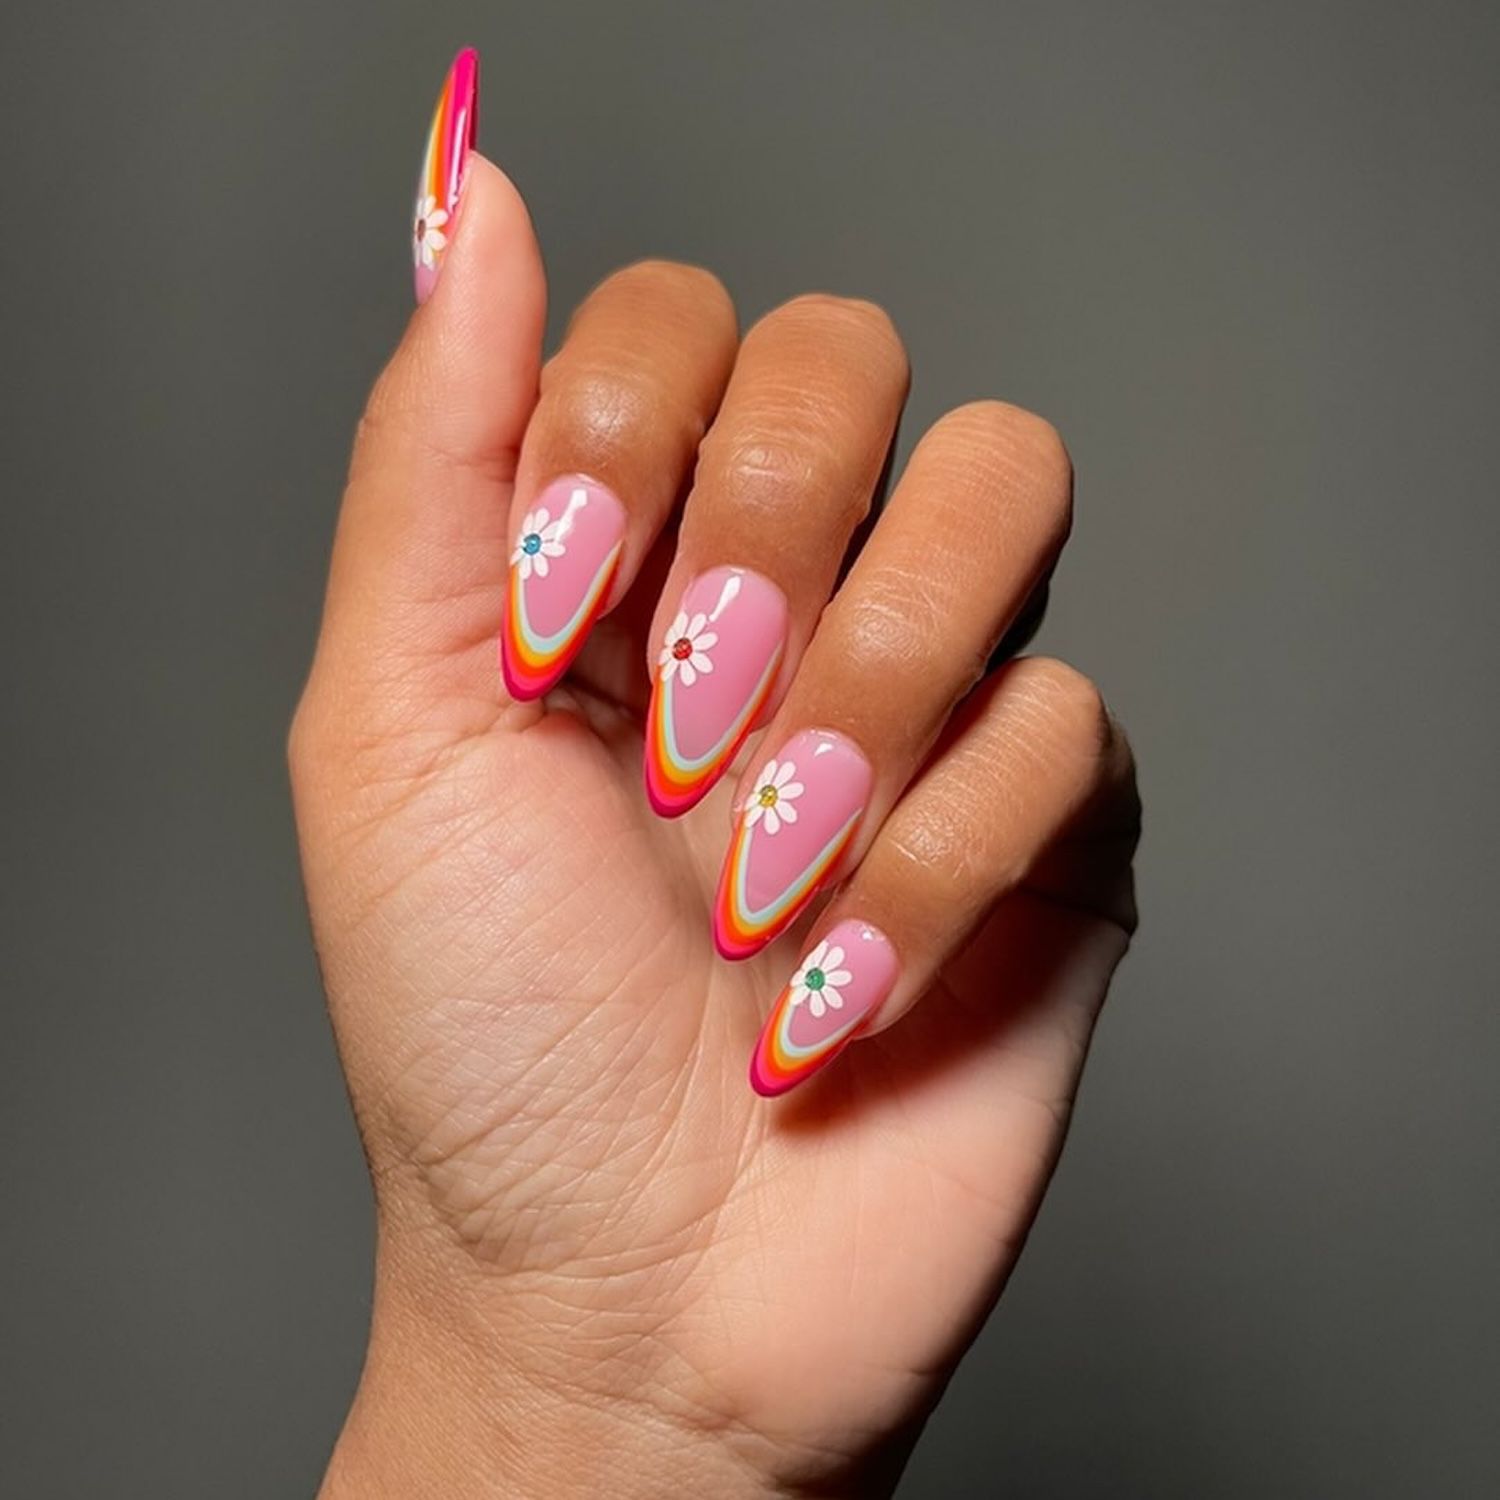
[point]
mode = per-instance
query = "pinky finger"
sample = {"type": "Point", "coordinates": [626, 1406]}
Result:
{"type": "Point", "coordinates": [1034, 787]}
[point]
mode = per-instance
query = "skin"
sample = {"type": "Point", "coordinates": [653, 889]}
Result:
{"type": "Point", "coordinates": [604, 1265]}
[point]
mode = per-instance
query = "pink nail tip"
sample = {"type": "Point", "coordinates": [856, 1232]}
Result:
{"type": "Point", "coordinates": [802, 812]}
{"type": "Point", "coordinates": [715, 668]}
{"type": "Point", "coordinates": [566, 554]}
{"type": "Point", "coordinates": [841, 981]}
{"type": "Point", "coordinates": [444, 164]}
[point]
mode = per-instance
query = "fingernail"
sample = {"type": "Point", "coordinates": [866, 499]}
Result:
{"type": "Point", "coordinates": [714, 671]}
{"type": "Point", "coordinates": [564, 561]}
{"type": "Point", "coordinates": [836, 987]}
{"type": "Point", "coordinates": [798, 819]}
{"type": "Point", "coordinates": [443, 166]}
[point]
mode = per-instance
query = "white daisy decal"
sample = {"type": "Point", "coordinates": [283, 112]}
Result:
{"type": "Point", "coordinates": [685, 654]}
{"type": "Point", "coordinates": [427, 237]}
{"type": "Point", "coordinates": [771, 802]}
{"type": "Point", "coordinates": [539, 541]}
{"type": "Point", "coordinates": [816, 983]}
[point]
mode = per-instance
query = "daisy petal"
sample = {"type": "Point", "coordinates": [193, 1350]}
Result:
{"type": "Point", "coordinates": [815, 1005]}
{"type": "Point", "coordinates": [787, 812]}
{"type": "Point", "coordinates": [773, 823]}
{"type": "Point", "coordinates": [705, 640]}
{"type": "Point", "coordinates": [831, 998]}
{"type": "Point", "coordinates": [677, 628]}
{"type": "Point", "coordinates": [837, 976]}
{"type": "Point", "coordinates": [437, 218]}
{"type": "Point", "coordinates": [696, 624]}
{"type": "Point", "coordinates": [539, 564]}
{"type": "Point", "coordinates": [790, 790]}
{"type": "Point", "coordinates": [753, 811]}
{"type": "Point", "coordinates": [700, 663]}
{"type": "Point", "coordinates": [784, 773]}
{"type": "Point", "coordinates": [833, 958]}
{"type": "Point", "coordinates": [686, 672]}
{"type": "Point", "coordinates": [817, 956]}
{"type": "Point", "coordinates": [668, 664]}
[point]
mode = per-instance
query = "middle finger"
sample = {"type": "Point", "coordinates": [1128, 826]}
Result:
{"type": "Point", "coordinates": [784, 476]}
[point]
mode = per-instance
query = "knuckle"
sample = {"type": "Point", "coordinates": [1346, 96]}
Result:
{"type": "Point", "coordinates": [1019, 458]}
{"type": "Point", "coordinates": [405, 414]}
{"type": "Point", "coordinates": [764, 475]}
{"type": "Point", "coordinates": [885, 630]}
{"type": "Point", "coordinates": [864, 324]}
{"type": "Point", "coordinates": [939, 862]}
{"type": "Point", "coordinates": [600, 403]}
{"type": "Point", "coordinates": [395, 399]}
{"type": "Point", "coordinates": [782, 454]}
{"type": "Point", "coordinates": [1068, 702]}
{"type": "Point", "coordinates": [672, 281]}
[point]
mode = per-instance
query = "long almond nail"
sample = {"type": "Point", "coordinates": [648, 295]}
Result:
{"type": "Point", "coordinates": [714, 671]}
{"type": "Point", "coordinates": [836, 988]}
{"type": "Point", "coordinates": [443, 167]}
{"type": "Point", "coordinates": [800, 816]}
{"type": "Point", "coordinates": [566, 555]}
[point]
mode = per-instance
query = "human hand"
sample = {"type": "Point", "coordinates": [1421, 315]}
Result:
{"type": "Point", "coordinates": [605, 1266]}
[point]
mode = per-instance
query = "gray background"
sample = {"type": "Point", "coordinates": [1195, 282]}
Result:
{"type": "Point", "coordinates": [1243, 255]}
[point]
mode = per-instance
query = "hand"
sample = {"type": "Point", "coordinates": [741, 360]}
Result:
{"type": "Point", "coordinates": [606, 1267]}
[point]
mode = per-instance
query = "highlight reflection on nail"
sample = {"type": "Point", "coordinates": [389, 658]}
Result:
{"type": "Point", "coordinates": [444, 163]}
{"type": "Point", "coordinates": [799, 818]}
{"type": "Point", "coordinates": [715, 670]}
{"type": "Point", "coordinates": [565, 558]}
{"type": "Point", "coordinates": [836, 988]}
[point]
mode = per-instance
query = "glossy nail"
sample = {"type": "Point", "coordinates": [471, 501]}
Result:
{"type": "Point", "coordinates": [564, 561]}
{"type": "Point", "coordinates": [714, 671]}
{"type": "Point", "coordinates": [443, 167]}
{"type": "Point", "coordinates": [835, 989]}
{"type": "Point", "coordinates": [799, 817]}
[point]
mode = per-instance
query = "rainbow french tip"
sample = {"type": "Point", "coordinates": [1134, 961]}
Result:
{"type": "Point", "coordinates": [566, 556]}
{"type": "Point", "coordinates": [444, 164]}
{"type": "Point", "coordinates": [835, 990]}
{"type": "Point", "coordinates": [800, 816]}
{"type": "Point", "coordinates": [715, 670]}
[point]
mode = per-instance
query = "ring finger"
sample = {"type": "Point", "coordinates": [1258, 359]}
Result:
{"type": "Point", "coordinates": [978, 517]}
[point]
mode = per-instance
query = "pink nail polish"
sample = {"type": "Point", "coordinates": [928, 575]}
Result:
{"type": "Point", "coordinates": [799, 817]}
{"type": "Point", "coordinates": [564, 561]}
{"type": "Point", "coordinates": [835, 989]}
{"type": "Point", "coordinates": [714, 671]}
{"type": "Point", "coordinates": [443, 166]}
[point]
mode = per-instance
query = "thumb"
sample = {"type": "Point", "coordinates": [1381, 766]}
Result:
{"type": "Point", "coordinates": [418, 571]}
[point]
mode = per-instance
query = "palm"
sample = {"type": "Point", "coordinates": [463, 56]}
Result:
{"type": "Point", "coordinates": [562, 1060]}
{"type": "Point", "coordinates": [547, 1057]}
